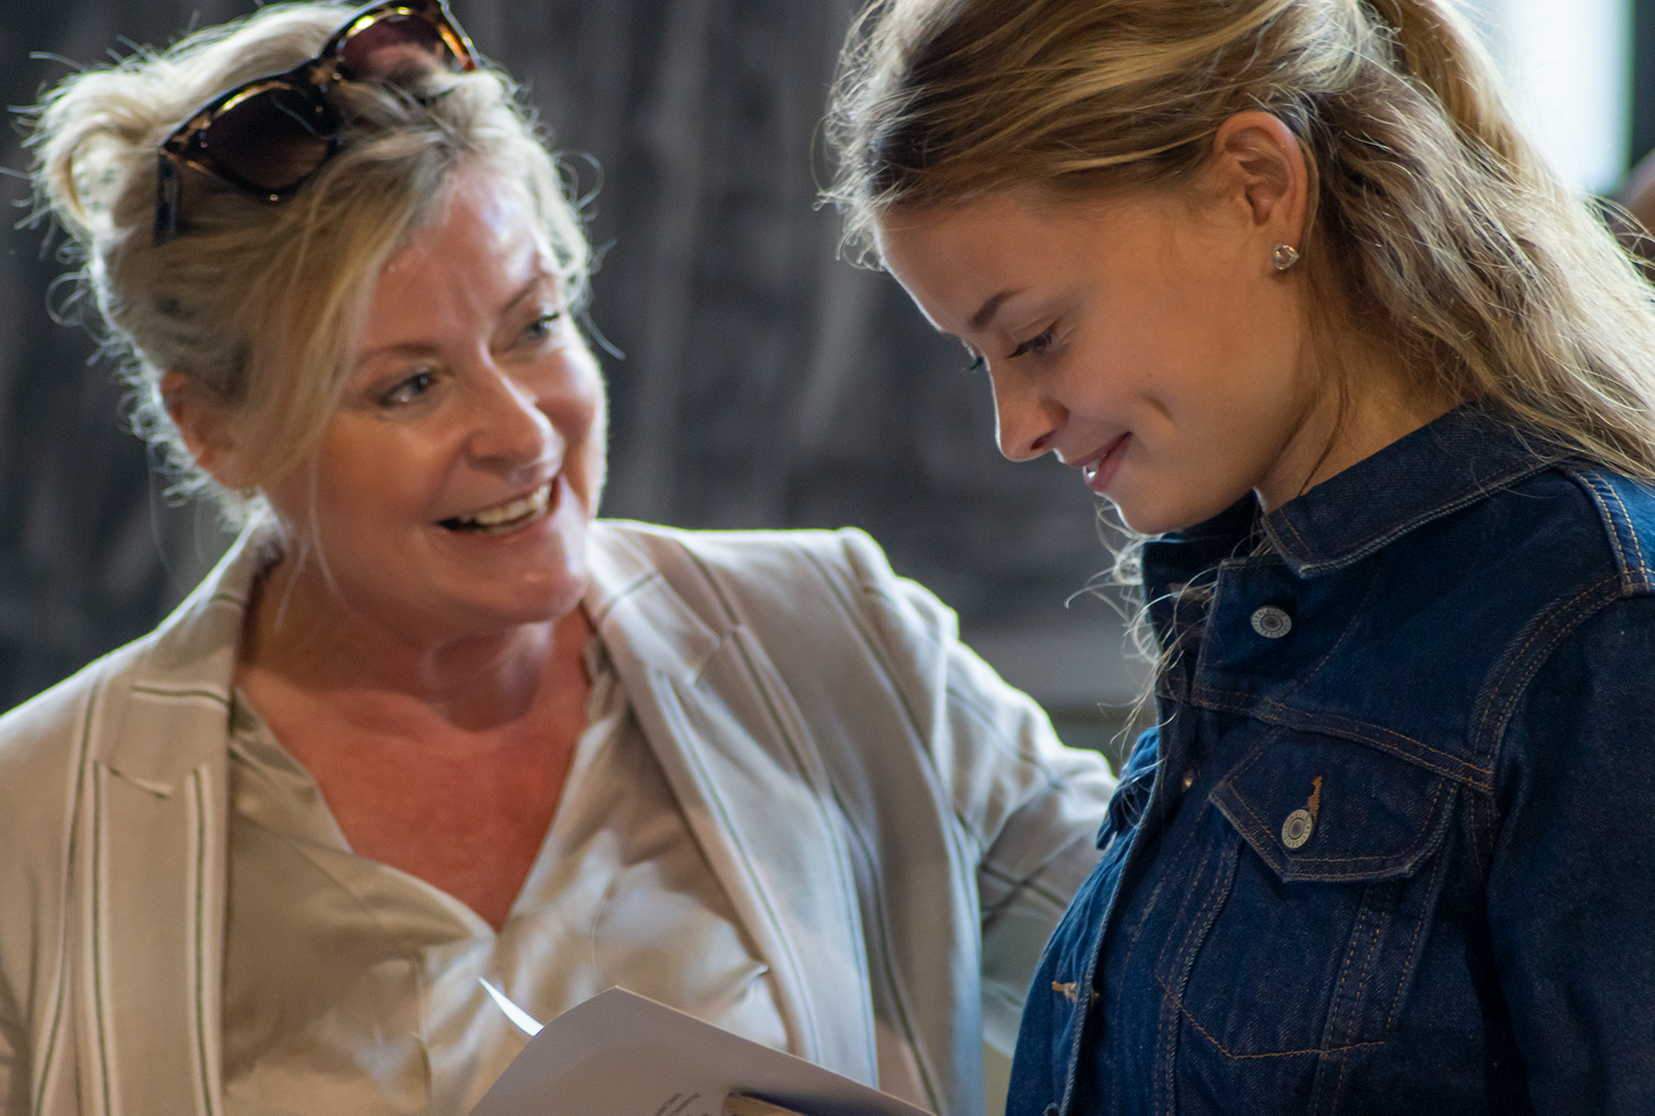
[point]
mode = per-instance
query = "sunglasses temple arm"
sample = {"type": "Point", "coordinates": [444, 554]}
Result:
{"type": "Point", "coordinates": [167, 189]}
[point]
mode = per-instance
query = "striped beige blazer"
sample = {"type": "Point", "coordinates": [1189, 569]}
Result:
{"type": "Point", "coordinates": [897, 829]}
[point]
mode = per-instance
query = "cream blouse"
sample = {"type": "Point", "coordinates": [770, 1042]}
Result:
{"type": "Point", "coordinates": [352, 987]}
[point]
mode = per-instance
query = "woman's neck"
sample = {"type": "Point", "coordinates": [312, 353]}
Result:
{"type": "Point", "coordinates": [1362, 406]}
{"type": "Point", "coordinates": [444, 757]}
{"type": "Point", "coordinates": [302, 637]}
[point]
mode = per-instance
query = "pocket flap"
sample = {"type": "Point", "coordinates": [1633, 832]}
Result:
{"type": "Point", "coordinates": [1320, 808]}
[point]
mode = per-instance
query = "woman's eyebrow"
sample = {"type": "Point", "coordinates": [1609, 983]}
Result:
{"type": "Point", "coordinates": [421, 348]}
{"type": "Point", "coordinates": [986, 312]}
{"type": "Point", "coordinates": [535, 282]}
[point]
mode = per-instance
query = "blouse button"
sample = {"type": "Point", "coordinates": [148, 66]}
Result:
{"type": "Point", "coordinates": [1189, 778]}
{"type": "Point", "coordinates": [1271, 622]}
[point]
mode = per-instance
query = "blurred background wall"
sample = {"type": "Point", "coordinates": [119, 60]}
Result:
{"type": "Point", "coordinates": [763, 383]}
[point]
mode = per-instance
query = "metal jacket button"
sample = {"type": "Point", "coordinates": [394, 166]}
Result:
{"type": "Point", "coordinates": [1300, 824]}
{"type": "Point", "coordinates": [1296, 830]}
{"type": "Point", "coordinates": [1271, 622]}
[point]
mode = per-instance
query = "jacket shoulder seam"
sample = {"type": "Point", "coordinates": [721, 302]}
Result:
{"type": "Point", "coordinates": [1632, 559]}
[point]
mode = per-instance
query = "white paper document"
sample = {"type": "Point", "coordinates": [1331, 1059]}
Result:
{"type": "Point", "coordinates": [621, 1054]}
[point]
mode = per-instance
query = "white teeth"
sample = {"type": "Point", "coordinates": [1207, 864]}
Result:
{"type": "Point", "coordinates": [509, 514]}
{"type": "Point", "coordinates": [528, 505]}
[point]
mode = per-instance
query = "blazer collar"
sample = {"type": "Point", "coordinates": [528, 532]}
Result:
{"type": "Point", "coordinates": [749, 779]}
{"type": "Point", "coordinates": [171, 716]}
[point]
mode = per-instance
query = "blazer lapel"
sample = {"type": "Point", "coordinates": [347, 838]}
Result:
{"type": "Point", "coordinates": [750, 783]}
{"type": "Point", "coordinates": [150, 861]}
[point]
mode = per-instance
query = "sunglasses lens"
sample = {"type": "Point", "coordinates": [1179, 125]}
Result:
{"type": "Point", "coordinates": [272, 139]}
{"type": "Point", "coordinates": [390, 44]}
{"type": "Point", "coordinates": [268, 136]}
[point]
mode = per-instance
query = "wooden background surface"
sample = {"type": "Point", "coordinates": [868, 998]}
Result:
{"type": "Point", "coordinates": [765, 383]}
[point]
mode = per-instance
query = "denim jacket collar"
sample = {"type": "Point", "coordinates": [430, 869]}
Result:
{"type": "Point", "coordinates": [1443, 466]}
{"type": "Point", "coordinates": [1448, 464]}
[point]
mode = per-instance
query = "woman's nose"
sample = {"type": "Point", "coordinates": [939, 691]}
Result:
{"type": "Point", "coordinates": [509, 425]}
{"type": "Point", "coordinates": [1025, 421]}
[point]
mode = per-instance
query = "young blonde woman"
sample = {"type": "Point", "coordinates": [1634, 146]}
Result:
{"type": "Point", "coordinates": [1283, 282]}
{"type": "Point", "coordinates": [430, 723]}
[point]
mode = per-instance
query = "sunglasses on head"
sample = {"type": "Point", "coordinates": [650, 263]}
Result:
{"type": "Point", "coordinates": [268, 136]}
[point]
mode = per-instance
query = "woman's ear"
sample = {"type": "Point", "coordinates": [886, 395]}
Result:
{"type": "Point", "coordinates": [206, 427]}
{"type": "Point", "coordinates": [1259, 161]}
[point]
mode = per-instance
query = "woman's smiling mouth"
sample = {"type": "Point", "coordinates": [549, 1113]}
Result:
{"type": "Point", "coordinates": [505, 518]}
{"type": "Point", "coordinates": [1099, 469]}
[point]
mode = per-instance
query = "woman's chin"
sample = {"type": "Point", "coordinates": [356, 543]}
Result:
{"type": "Point", "coordinates": [1146, 519]}
{"type": "Point", "coordinates": [459, 588]}
{"type": "Point", "coordinates": [1158, 512]}
{"type": "Point", "coordinates": [536, 573]}
{"type": "Point", "coordinates": [546, 593]}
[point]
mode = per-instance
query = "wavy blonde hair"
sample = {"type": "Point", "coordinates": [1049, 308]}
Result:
{"type": "Point", "coordinates": [260, 305]}
{"type": "Point", "coordinates": [1433, 230]}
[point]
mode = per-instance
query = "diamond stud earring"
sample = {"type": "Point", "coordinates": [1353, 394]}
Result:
{"type": "Point", "coordinates": [1284, 256]}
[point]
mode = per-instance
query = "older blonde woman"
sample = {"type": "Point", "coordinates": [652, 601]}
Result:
{"type": "Point", "coordinates": [1283, 282]}
{"type": "Point", "coordinates": [429, 721]}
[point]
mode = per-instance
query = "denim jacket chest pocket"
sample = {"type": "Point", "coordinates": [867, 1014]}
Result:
{"type": "Point", "coordinates": [1320, 878]}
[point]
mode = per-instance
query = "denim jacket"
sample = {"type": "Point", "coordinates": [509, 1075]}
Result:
{"type": "Point", "coordinates": [1392, 849]}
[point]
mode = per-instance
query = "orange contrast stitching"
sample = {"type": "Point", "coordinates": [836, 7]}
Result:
{"type": "Point", "coordinates": [1224, 1050]}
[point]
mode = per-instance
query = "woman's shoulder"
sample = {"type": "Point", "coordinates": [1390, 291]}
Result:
{"type": "Point", "coordinates": [1573, 533]}
{"type": "Point", "coordinates": [821, 601]}
{"type": "Point", "coordinates": [1593, 549]}
{"type": "Point", "coordinates": [53, 720]}
{"type": "Point", "coordinates": [44, 747]}
{"type": "Point", "coordinates": [746, 575]}
{"type": "Point", "coordinates": [1624, 515]}
{"type": "Point", "coordinates": [751, 553]}
{"type": "Point", "coordinates": [186, 660]}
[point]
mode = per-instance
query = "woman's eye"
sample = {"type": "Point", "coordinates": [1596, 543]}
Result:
{"type": "Point", "coordinates": [408, 390]}
{"type": "Point", "coordinates": [1036, 344]}
{"type": "Point", "coordinates": [545, 325]}
{"type": "Point", "coordinates": [978, 361]}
